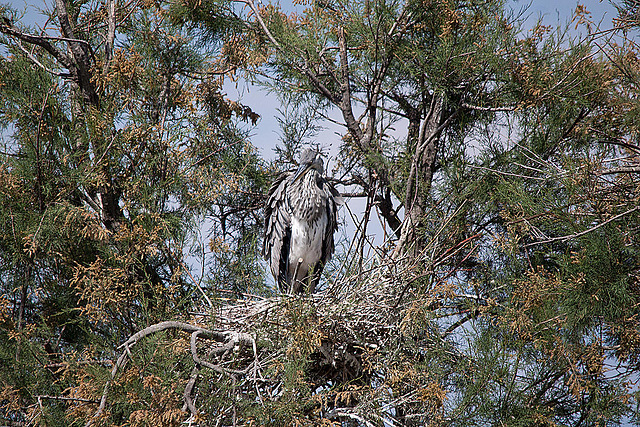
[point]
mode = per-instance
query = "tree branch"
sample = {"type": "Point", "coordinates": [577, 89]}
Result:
{"type": "Point", "coordinates": [625, 169]}
{"type": "Point", "coordinates": [111, 33]}
{"type": "Point", "coordinates": [345, 91]}
{"type": "Point", "coordinates": [582, 233]}
{"type": "Point", "coordinates": [79, 51]}
{"type": "Point", "coordinates": [231, 339]}
{"type": "Point", "coordinates": [6, 27]}
{"type": "Point", "coordinates": [348, 413]}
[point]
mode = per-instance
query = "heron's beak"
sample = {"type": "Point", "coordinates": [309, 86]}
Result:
{"type": "Point", "coordinates": [302, 169]}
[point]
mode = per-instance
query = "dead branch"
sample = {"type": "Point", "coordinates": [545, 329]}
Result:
{"type": "Point", "coordinates": [7, 27]}
{"type": "Point", "coordinates": [188, 400]}
{"type": "Point", "coordinates": [347, 413]}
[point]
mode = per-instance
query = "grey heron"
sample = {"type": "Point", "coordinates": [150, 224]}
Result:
{"type": "Point", "coordinates": [300, 219]}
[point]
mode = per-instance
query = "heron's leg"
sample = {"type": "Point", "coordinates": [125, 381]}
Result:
{"type": "Point", "coordinates": [295, 285]}
{"type": "Point", "coordinates": [313, 277]}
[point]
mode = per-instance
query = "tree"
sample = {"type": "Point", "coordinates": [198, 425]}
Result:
{"type": "Point", "coordinates": [430, 69]}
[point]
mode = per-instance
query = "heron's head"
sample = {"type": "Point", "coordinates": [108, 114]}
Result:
{"type": "Point", "coordinates": [309, 159]}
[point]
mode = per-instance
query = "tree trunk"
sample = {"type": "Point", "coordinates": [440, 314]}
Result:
{"type": "Point", "coordinates": [423, 167]}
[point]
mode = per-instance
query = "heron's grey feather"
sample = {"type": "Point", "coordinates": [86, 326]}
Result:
{"type": "Point", "coordinates": [277, 220]}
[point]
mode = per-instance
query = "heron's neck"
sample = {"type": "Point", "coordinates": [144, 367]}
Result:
{"type": "Point", "coordinates": [307, 197]}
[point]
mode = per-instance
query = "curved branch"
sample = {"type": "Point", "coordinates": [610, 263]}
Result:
{"type": "Point", "coordinates": [188, 400]}
{"type": "Point", "coordinates": [231, 338]}
{"type": "Point", "coordinates": [348, 413]}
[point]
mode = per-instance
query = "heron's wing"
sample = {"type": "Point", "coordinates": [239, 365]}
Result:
{"type": "Point", "coordinates": [277, 228]}
{"type": "Point", "coordinates": [333, 197]}
{"type": "Point", "coordinates": [336, 195]}
{"type": "Point", "coordinates": [328, 246]}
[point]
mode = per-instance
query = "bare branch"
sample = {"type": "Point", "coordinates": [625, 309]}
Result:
{"type": "Point", "coordinates": [348, 413]}
{"type": "Point", "coordinates": [626, 169]}
{"type": "Point", "coordinates": [79, 51]}
{"type": "Point", "coordinates": [70, 399]}
{"type": "Point", "coordinates": [345, 90]}
{"type": "Point", "coordinates": [216, 335]}
{"type": "Point", "coordinates": [229, 337]}
{"type": "Point", "coordinates": [35, 60]}
{"type": "Point", "coordinates": [63, 18]}
{"type": "Point", "coordinates": [188, 400]}
{"type": "Point", "coordinates": [582, 233]}
{"type": "Point", "coordinates": [509, 173]}
{"type": "Point", "coordinates": [488, 109]}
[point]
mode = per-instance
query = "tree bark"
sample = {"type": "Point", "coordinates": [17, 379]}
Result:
{"type": "Point", "coordinates": [423, 167]}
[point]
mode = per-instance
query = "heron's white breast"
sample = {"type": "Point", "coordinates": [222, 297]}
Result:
{"type": "Point", "coordinates": [306, 240]}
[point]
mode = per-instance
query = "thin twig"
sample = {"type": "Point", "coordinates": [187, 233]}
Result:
{"type": "Point", "coordinates": [70, 399]}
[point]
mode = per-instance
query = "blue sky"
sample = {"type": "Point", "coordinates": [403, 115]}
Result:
{"type": "Point", "coordinates": [564, 8]}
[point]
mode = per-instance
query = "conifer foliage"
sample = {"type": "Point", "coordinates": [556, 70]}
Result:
{"type": "Point", "coordinates": [502, 162]}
